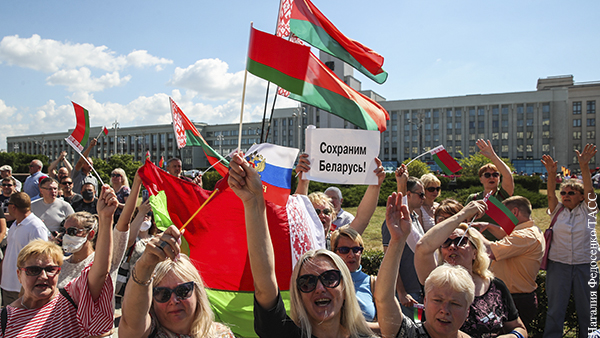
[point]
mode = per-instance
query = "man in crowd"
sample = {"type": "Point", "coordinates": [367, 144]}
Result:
{"type": "Point", "coordinates": [342, 217]}
{"type": "Point", "coordinates": [516, 258]}
{"type": "Point", "coordinates": [27, 227]}
{"type": "Point", "coordinates": [6, 171]}
{"type": "Point", "coordinates": [66, 185]}
{"type": "Point", "coordinates": [32, 183]}
{"type": "Point", "coordinates": [63, 171]}
{"type": "Point", "coordinates": [174, 168]}
{"type": "Point", "coordinates": [89, 200]}
{"type": "Point", "coordinates": [8, 188]}
{"type": "Point", "coordinates": [82, 173]}
{"type": "Point", "coordinates": [50, 209]}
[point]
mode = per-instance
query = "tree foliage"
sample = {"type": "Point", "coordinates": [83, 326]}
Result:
{"type": "Point", "coordinates": [20, 161]}
{"type": "Point", "coordinates": [125, 162]}
{"type": "Point", "coordinates": [417, 168]}
{"type": "Point", "coordinates": [471, 164]}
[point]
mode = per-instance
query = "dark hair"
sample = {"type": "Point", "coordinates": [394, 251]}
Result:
{"type": "Point", "coordinates": [412, 182]}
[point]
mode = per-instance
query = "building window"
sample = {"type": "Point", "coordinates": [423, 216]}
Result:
{"type": "Point", "coordinates": [576, 108]}
{"type": "Point", "coordinates": [545, 122]}
{"type": "Point", "coordinates": [545, 108]}
{"type": "Point", "coordinates": [529, 134]}
{"type": "Point", "coordinates": [519, 123]}
{"type": "Point", "coordinates": [591, 122]}
{"type": "Point", "coordinates": [545, 148]}
{"type": "Point", "coordinates": [394, 115]}
{"type": "Point", "coordinates": [471, 111]}
{"type": "Point", "coordinates": [449, 124]}
{"type": "Point", "coordinates": [458, 112]}
{"type": "Point", "coordinates": [577, 147]}
{"type": "Point", "coordinates": [495, 136]}
{"type": "Point", "coordinates": [449, 113]}
{"type": "Point", "coordinates": [505, 136]}
{"type": "Point", "coordinates": [529, 109]}
{"type": "Point", "coordinates": [472, 125]}
{"type": "Point", "coordinates": [458, 137]}
{"type": "Point", "coordinates": [436, 126]}
{"type": "Point", "coordinates": [480, 124]}
{"type": "Point", "coordinates": [591, 134]}
{"type": "Point", "coordinates": [471, 149]}
{"type": "Point", "coordinates": [576, 122]}
{"type": "Point", "coordinates": [449, 137]}
{"type": "Point", "coordinates": [505, 148]}
{"type": "Point", "coordinates": [520, 109]}
{"type": "Point", "coordinates": [520, 148]}
{"type": "Point", "coordinates": [436, 113]}
{"type": "Point", "coordinates": [495, 110]}
{"type": "Point", "coordinates": [495, 124]}
{"type": "Point", "coordinates": [480, 111]}
{"type": "Point", "coordinates": [472, 137]}
{"type": "Point", "coordinates": [529, 122]}
{"type": "Point", "coordinates": [577, 135]}
{"type": "Point", "coordinates": [519, 134]}
{"type": "Point", "coordinates": [504, 110]}
{"type": "Point", "coordinates": [546, 134]}
{"type": "Point", "coordinates": [481, 136]}
{"type": "Point", "coordinates": [407, 127]}
{"type": "Point", "coordinates": [591, 107]}
{"type": "Point", "coordinates": [505, 123]}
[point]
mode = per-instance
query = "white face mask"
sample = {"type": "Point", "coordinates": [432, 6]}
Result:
{"type": "Point", "coordinates": [146, 225]}
{"type": "Point", "coordinates": [72, 244]}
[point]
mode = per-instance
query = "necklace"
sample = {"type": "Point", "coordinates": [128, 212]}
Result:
{"type": "Point", "coordinates": [23, 305]}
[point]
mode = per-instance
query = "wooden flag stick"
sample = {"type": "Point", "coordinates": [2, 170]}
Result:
{"type": "Point", "coordinates": [239, 148]}
{"type": "Point", "coordinates": [197, 211]}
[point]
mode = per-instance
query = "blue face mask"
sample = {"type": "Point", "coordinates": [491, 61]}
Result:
{"type": "Point", "coordinates": [87, 195]}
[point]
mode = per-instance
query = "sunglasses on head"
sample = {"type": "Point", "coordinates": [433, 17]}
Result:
{"type": "Point", "coordinates": [432, 189]}
{"type": "Point", "coordinates": [51, 270]}
{"type": "Point", "coordinates": [345, 249]}
{"type": "Point", "coordinates": [325, 211]}
{"type": "Point", "coordinates": [329, 279]}
{"type": "Point", "coordinates": [72, 231]}
{"type": "Point", "coordinates": [181, 291]}
{"type": "Point", "coordinates": [488, 175]}
{"type": "Point", "coordinates": [456, 241]}
{"type": "Point", "coordinates": [570, 193]}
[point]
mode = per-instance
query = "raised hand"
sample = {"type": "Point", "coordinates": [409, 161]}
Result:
{"type": "Point", "coordinates": [589, 151]}
{"type": "Point", "coordinates": [243, 179]}
{"type": "Point", "coordinates": [303, 163]}
{"type": "Point", "coordinates": [397, 217]}
{"type": "Point", "coordinates": [549, 163]}
{"type": "Point", "coordinates": [163, 246]}
{"type": "Point", "coordinates": [107, 202]}
{"type": "Point", "coordinates": [379, 172]}
{"type": "Point", "coordinates": [401, 173]}
{"type": "Point", "coordinates": [474, 209]}
{"type": "Point", "coordinates": [486, 148]}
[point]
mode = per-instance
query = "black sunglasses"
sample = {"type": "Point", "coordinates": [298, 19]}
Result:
{"type": "Point", "coordinates": [488, 175]}
{"type": "Point", "coordinates": [51, 270]}
{"type": "Point", "coordinates": [66, 183]}
{"type": "Point", "coordinates": [181, 291]}
{"type": "Point", "coordinates": [420, 194]}
{"type": "Point", "coordinates": [329, 279]}
{"type": "Point", "coordinates": [570, 193]}
{"type": "Point", "coordinates": [72, 231]}
{"type": "Point", "coordinates": [345, 249]}
{"type": "Point", "coordinates": [325, 211]}
{"type": "Point", "coordinates": [115, 175]}
{"type": "Point", "coordinates": [432, 189]}
{"type": "Point", "coordinates": [456, 241]}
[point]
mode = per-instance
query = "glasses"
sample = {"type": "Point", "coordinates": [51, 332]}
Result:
{"type": "Point", "coordinates": [570, 193]}
{"type": "Point", "coordinates": [488, 175]}
{"type": "Point", "coordinates": [67, 183]}
{"type": "Point", "coordinates": [7, 185]}
{"type": "Point", "coordinates": [420, 194]}
{"type": "Point", "coordinates": [51, 270]}
{"type": "Point", "coordinates": [432, 189]}
{"type": "Point", "coordinates": [182, 291]}
{"type": "Point", "coordinates": [72, 231]}
{"type": "Point", "coordinates": [345, 249]}
{"type": "Point", "coordinates": [326, 211]}
{"type": "Point", "coordinates": [456, 241]}
{"type": "Point", "coordinates": [115, 175]}
{"type": "Point", "coordinates": [329, 279]}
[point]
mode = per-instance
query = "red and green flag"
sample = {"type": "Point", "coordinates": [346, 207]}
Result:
{"type": "Point", "coordinates": [277, 60]}
{"type": "Point", "coordinates": [105, 131]}
{"type": "Point", "coordinates": [80, 135]}
{"type": "Point", "coordinates": [310, 25]}
{"type": "Point", "coordinates": [500, 213]}
{"type": "Point", "coordinates": [148, 156]}
{"type": "Point", "coordinates": [446, 162]}
{"type": "Point", "coordinates": [187, 134]}
{"type": "Point", "coordinates": [324, 90]}
{"type": "Point", "coordinates": [161, 163]}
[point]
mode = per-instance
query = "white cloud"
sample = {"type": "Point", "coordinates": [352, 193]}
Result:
{"type": "Point", "coordinates": [141, 58]}
{"type": "Point", "coordinates": [82, 80]}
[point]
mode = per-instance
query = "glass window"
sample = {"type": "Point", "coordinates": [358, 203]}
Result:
{"type": "Point", "coordinates": [481, 136]}
{"type": "Point", "coordinates": [545, 108]}
{"type": "Point", "coordinates": [495, 136]}
{"type": "Point", "coordinates": [427, 126]}
{"type": "Point", "coordinates": [406, 115]}
{"type": "Point", "coordinates": [576, 108]}
{"type": "Point", "coordinates": [448, 112]}
{"type": "Point", "coordinates": [504, 123]}
{"type": "Point", "coordinates": [545, 148]}
{"type": "Point", "coordinates": [591, 122]}
{"type": "Point", "coordinates": [472, 137]}
{"type": "Point", "coordinates": [529, 148]}
{"type": "Point", "coordinates": [436, 126]}
{"type": "Point", "coordinates": [505, 148]}
{"type": "Point", "coordinates": [495, 124]}
{"type": "Point", "coordinates": [480, 124]}
{"type": "Point", "coordinates": [406, 138]}
{"type": "Point", "coordinates": [472, 124]}
{"type": "Point", "coordinates": [591, 134]}
{"type": "Point", "coordinates": [591, 107]}
{"type": "Point", "coordinates": [394, 115]}
{"type": "Point", "coordinates": [480, 111]}
{"type": "Point", "coordinates": [519, 123]}
{"type": "Point", "coordinates": [394, 128]}
{"type": "Point", "coordinates": [577, 135]}
{"type": "Point", "coordinates": [495, 110]}
{"type": "Point", "coordinates": [457, 112]}
{"type": "Point", "coordinates": [471, 111]}
{"type": "Point", "coordinates": [520, 109]}
{"type": "Point", "coordinates": [529, 109]}
{"type": "Point", "coordinates": [546, 134]}
{"type": "Point", "coordinates": [529, 122]}
{"type": "Point", "coordinates": [529, 134]}
{"type": "Point", "coordinates": [449, 137]}
{"type": "Point", "coordinates": [427, 113]}
{"type": "Point", "coordinates": [520, 148]}
{"type": "Point", "coordinates": [458, 137]}
{"type": "Point", "coordinates": [504, 110]}
{"type": "Point", "coordinates": [458, 125]}
{"type": "Point", "coordinates": [436, 113]}
{"type": "Point", "coordinates": [576, 122]}
{"type": "Point", "coordinates": [449, 125]}
{"type": "Point", "coordinates": [505, 136]}
{"type": "Point", "coordinates": [520, 134]}
{"type": "Point", "coordinates": [545, 122]}
{"type": "Point", "coordinates": [407, 127]}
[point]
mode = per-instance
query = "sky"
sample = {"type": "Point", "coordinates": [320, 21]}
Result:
{"type": "Point", "coordinates": [122, 60]}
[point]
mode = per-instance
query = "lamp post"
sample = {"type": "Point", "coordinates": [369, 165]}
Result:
{"type": "Point", "coordinates": [115, 127]}
{"type": "Point", "coordinates": [16, 148]}
{"type": "Point", "coordinates": [418, 122]}
{"type": "Point", "coordinates": [220, 138]}
{"type": "Point", "coordinates": [122, 141]}
{"type": "Point", "coordinates": [299, 114]}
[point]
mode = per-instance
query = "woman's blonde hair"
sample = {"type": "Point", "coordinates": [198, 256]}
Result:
{"type": "Point", "coordinates": [481, 262]}
{"type": "Point", "coordinates": [40, 247]}
{"type": "Point", "coordinates": [347, 232]}
{"type": "Point", "coordinates": [574, 184]}
{"type": "Point", "coordinates": [87, 221]}
{"type": "Point", "coordinates": [320, 198]}
{"type": "Point", "coordinates": [454, 276]}
{"type": "Point", "coordinates": [184, 269]}
{"type": "Point", "coordinates": [352, 318]}
{"type": "Point", "coordinates": [429, 179]}
{"type": "Point", "coordinates": [123, 176]}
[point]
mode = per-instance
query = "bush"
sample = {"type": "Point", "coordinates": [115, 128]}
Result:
{"type": "Point", "coordinates": [417, 168]}
{"type": "Point", "coordinates": [531, 183]}
{"type": "Point", "coordinates": [370, 261]}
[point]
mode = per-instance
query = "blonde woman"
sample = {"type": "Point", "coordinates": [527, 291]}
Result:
{"type": "Point", "coordinates": [432, 187]}
{"type": "Point", "coordinates": [120, 183]}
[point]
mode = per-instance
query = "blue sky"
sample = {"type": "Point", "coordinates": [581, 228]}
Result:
{"type": "Point", "coordinates": [123, 59]}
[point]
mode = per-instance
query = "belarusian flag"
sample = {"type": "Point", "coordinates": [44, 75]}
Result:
{"type": "Point", "coordinates": [161, 163]}
{"type": "Point", "coordinates": [277, 60]}
{"type": "Point", "coordinates": [324, 90]}
{"type": "Point", "coordinates": [187, 134]}
{"type": "Point", "coordinates": [148, 156]}
{"type": "Point", "coordinates": [218, 245]}
{"type": "Point", "coordinates": [310, 25]}
{"type": "Point", "coordinates": [105, 131]}
{"type": "Point", "coordinates": [500, 213]}
{"type": "Point", "coordinates": [79, 136]}
{"type": "Point", "coordinates": [446, 162]}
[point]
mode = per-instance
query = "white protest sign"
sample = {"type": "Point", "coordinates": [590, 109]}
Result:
{"type": "Point", "coordinates": [343, 156]}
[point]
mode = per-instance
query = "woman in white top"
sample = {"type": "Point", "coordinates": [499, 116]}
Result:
{"type": "Point", "coordinates": [426, 213]}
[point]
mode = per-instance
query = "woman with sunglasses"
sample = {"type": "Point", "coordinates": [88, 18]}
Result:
{"type": "Point", "coordinates": [84, 307]}
{"type": "Point", "coordinates": [572, 247]}
{"type": "Point", "coordinates": [325, 211]}
{"type": "Point", "coordinates": [432, 189]}
{"type": "Point", "coordinates": [348, 244]}
{"type": "Point", "coordinates": [323, 301]}
{"type": "Point", "coordinates": [165, 296]}
{"type": "Point", "coordinates": [493, 311]}
{"type": "Point", "coordinates": [119, 182]}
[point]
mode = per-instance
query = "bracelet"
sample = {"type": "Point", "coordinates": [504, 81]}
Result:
{"type": "Point", "coordinates": [146, 283]}
{"type": "Point", "coordinates": [515, 332]}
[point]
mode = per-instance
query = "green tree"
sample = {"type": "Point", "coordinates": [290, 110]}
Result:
{"type": "Point", "coordinates": [417, 168]}
{"type": "Point", "coordinates": [471, 164]}
{"type": "Point", "coordinates": [20, 161]}
{"type": "Point", "coordinates": [125, 162]}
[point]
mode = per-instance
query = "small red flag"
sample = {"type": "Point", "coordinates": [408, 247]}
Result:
{"type": "Point", "coordinates": [105, 131]}
{"type": "Point", "coordinates": [148, 157]}
{"type": "Point", "coordinates": [500, 213]}
{"type": "Point", "coordinates": [161, 162]}
{"type": "Point", "coordinates": [446, 162]}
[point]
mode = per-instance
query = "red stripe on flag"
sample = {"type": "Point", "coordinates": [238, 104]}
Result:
{"type": "Point", "coordinates": [448, 161]}
{"type": "Point", "coordinates": [80, 130]}
{"type": "Point", "coordinates": [500, 213]}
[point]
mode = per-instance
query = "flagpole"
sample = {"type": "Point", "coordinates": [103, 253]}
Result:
{"type": "Point", "coordinates": [88, 162]}
{"type": "Point", "coordinates": [100, 133]}
{"type": "Point", "coordinates": [423, 154]}
{"type": "Point", "coordinates": [243, 96]}
{"type": "Point", "coordinates": [214, 164]}
{"type": "Point", "coordinates": [197, 211]}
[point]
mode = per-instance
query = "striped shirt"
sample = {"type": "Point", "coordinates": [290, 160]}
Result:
{"type": "Point", "coordinates": [59, 318]}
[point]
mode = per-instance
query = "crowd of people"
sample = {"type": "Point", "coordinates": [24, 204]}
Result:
{"type": "Point", "coordinates": [70, 256]}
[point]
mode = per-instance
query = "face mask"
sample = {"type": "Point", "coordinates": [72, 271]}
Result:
{"type": "Point", "coordinates": [72, 244]}
{"type": "Point", "coordinates": [87, 195]}
{"type": "Point", "coordinates": [145, 225]}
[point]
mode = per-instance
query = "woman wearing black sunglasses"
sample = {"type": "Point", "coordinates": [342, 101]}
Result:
{"type": "Point", "coordinates": [165, 296]}
{"type": "Point", "coordinates": [84, 307]}
{"type": "Point", "coordinates": [323, 302]}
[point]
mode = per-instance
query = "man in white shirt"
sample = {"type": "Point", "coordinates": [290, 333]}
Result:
{"type": "Point", "coordinates": [27, 227]}
{"type": "Point", "coordinates": [50, 209]}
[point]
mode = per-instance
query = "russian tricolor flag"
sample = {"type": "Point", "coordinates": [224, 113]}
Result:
{"type": "Point", "coordinates": [274, 164]}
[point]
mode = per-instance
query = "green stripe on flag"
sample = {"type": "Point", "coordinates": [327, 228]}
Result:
{"type": "Point", "coordinates": [320, 39]}
{"type": "Point", "coordinates": [271, 74]}
{"type": "Point", "coordinates": [236, 309]}
{"type": "Point", "coordinates": [504, 209]}
{"type": "Point", "coordinates": [442, 165]}
{"type": "Point", "coordinates": [162, 218]}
